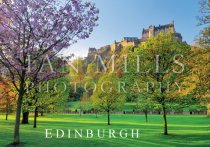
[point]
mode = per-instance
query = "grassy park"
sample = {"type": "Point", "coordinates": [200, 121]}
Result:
{"type": "Point", "coordinates": [155, 86]}
{"type": "Point", "coordinates": [184, 130]}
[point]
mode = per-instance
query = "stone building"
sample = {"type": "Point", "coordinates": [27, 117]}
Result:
{"type": "Point", "coordinates": [126, 41]}
{"type": "Point", "coordinates": [153, 31]}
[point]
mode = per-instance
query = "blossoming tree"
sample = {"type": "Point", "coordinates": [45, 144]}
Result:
{"type": "Point", "coordinates": [33, 31]}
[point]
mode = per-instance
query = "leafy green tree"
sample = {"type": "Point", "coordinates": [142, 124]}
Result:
{"type": "Point", "coordinates": [77, 72]}
{"type": "Point", "coordinates": [199, 78]}
{"type": "Point", "coordinates": [76, 76]}
{"type": "Point", "coordinates": [84, 104]}
{"type": "Point", "coordinates": [162, 61]}
{"type": "Point", "coordinates": [204, 41]}
{"type": "Point", "coordinates": [75, 95]}
{"type": "Point", "coordinates": [145, 105]}
{"type": "Point", "coordinates": [143, 101]}
{"type": "Point", "coordinates": [91, 77]}
{"type": "Point", "coordinates": [52, 97]}
{"type": "Point", "coordinates": [107, 97]}
{"type": "Point", "coordinates": [35, 88]}
{"type": "Point", "coordinates": [91, 69]}
{"type": "Point", "coordinates": [47, 96]}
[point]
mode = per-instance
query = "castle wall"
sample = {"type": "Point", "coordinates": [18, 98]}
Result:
{"type": "Point", "coordinates": [118, 46]}
{"type": "Point", "coordinates": [134, 41]}
{"type": "Point", "coordinates": [125, 43]}
{"type": "Point", "coordinates": [153, 31]}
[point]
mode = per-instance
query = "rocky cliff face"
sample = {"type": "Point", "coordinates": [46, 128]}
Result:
{"type": "Point", "coordinates": [119, 49]}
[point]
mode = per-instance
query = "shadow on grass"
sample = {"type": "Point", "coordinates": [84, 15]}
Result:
{"type": "Point", "coordinates": [193, 137]}
{"type": "Point", "coordinates": [21, 144]}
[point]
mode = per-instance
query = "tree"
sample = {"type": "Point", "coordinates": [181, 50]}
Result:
{"type": "Point", "coordinates": [31, 98]}
{"type": "Point", "coordinates": [160, 64]}
{"type": "Point", "coordinates": [90, 80]}
{"type": "Point", "coordinates": [145, 105]}
{"type": "Point", "coordinates": [45, 95]}
{"type": "Point", "coordinates": [203, 56]}
{"type": "Point", "coordinates": [7, 98]}
{"type": "Point", "coordinates": [199, 78]}
{"type": "Point", "coordinates": [27, 104]}
{"type": "Point", "coordinates": [143, 101]}
{"type": "Point", "coordinates": [49, 96]}
{"type": "Point", "coordinates": [107, 97]}
{"type": "Point", "coordinates": [75, 95]}
{"type": "Point", "coordinates": [77, 73]}
{"type": "Point", "coordinates": [204, 19]}
{"type": "Point", "coordinates": [34, 31]}
{"type": "Point", "coordinates": [84, 104]}
{"type": "Point", "coordinates": [76, 76]}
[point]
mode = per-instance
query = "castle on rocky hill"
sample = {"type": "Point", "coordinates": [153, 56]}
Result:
{"type": "Point", "coordinates": [151, 31]}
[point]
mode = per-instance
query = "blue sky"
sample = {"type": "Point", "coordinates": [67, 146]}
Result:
{"type": "Point", "coordinates": [127, 18]}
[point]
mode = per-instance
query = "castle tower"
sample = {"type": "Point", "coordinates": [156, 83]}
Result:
{"type": "Point", "coordinates": [153, 31]}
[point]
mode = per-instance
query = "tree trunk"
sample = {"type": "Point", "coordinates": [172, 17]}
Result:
{"type": "Point", "coordinates": [165, 120]}
{"type": "Point", "coordinates": [6, 116]}
{"type": "Point", "coordinates": [35, 116]}
{"type": "Point", "coordinates": [18, 112]}
{"type": "Point", "coordinates": [42, 113]}
{"type": "Point", "coordinates": [108, 112]}
{"type": "Point", "coordinates": [25, 117]}
{"type": "Point", "coordinates": [208, 109]}
{"type": "Point", "coordinates": [96, 115]}
{"type": "Point", "coordinates": [145, 113]}
{"type": "Point", "coordinates": [80, 112]}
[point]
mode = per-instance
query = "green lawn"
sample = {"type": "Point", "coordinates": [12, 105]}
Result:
{"type": "Point", "coordinates": [128, 107]}
{"type": "Point", "coordinates": [184, 130]}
